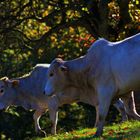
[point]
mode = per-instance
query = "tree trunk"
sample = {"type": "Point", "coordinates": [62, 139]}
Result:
{"type": "Point", "coordinates": [103, 20]}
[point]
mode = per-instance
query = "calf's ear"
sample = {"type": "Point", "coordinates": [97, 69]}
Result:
{"type": "Point", "coordinates": [15, 83]}
{"type": "Point", "coordinates": [4, 78]}
{"type": "Point", "coordinates": [63, 68]}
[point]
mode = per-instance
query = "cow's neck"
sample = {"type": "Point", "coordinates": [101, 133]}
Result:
{"type": "Point", "coordinates": [79, 64]}
{"type": "Point", "coordinates": [78, 69]}
{"type": "Point", "coordinates": [24, 82]}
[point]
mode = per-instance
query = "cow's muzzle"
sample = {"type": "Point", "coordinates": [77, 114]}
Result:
{"type": "Point", "coordinates": [45, 93]}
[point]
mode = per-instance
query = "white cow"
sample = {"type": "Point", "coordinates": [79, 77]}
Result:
{"type": "Point", "coordinates": [27, 91]}
{"type": "Point", "coordinates": [109, 70]}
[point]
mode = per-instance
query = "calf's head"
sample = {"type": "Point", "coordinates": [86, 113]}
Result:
{"type": "Point", "coordinates": [7, 91]}
{"type": "Point", "coordinates": [56, 77]}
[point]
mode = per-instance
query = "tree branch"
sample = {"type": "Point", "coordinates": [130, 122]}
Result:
{"type": "Point", "coordinates": [124, 13]}
{"type": "Point", "coordinates": [103, 18]}
{"type": "Point", "coordinates": [80, 22]}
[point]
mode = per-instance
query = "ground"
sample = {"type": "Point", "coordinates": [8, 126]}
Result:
{"type": "Point", "coordinates": [124, 131]}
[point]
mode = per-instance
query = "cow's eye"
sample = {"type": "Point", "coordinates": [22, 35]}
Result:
{"type": "Point", "coordinates": [51, 74]}
{"type": "Point", "coordinates": [1, 90]}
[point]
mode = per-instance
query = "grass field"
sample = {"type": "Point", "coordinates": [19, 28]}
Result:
{"type": "Point", "coordinates": [123, 131]}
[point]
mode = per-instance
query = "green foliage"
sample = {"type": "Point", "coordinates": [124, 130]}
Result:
{"type": "Point", "coordinates": [16, 124]}
{"type": "Point", "coordinates": [124, 131]}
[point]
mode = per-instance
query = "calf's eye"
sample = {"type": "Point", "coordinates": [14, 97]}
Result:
{"type": "Point", "coordinates": [1, 92]}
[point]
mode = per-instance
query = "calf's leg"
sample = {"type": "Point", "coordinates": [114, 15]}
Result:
{"type": "Point", "coordinates": [97, 116]}
{"type": "Point", "coordinates": [53, 117]}
{"type": "Point", "coordinates": [36, 117]}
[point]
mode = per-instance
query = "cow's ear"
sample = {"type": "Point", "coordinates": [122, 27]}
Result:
{"type": "Point", "coordinates": [5, 80]}
{"type": "Point", "coordinates": [15, 83]}
{"type": "Point", "coordinates": [64, 68]}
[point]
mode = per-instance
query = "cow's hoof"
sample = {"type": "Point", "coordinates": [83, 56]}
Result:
{"type": "Point", "coordinates": [97, 134]}
{"type": "Point", "coordinates": [124, 119]}
{"type": "Point", "coordinates": [42, 133]}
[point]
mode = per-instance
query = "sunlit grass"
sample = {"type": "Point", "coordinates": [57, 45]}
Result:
{"type": "Point", "coordinates": [123, 131]}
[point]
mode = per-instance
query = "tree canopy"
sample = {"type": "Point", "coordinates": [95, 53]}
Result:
{"type": "Point", "coordinates": [38, 31]}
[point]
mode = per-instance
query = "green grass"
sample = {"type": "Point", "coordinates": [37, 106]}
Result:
{"type": "Point", "coordinates": [123, 131]}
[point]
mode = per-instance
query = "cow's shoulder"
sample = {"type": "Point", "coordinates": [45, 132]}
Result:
{"type": "Point", "coordinates": [99, 44]}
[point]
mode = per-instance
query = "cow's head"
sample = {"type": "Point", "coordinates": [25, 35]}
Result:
{"type": "Point", "coordinates": [6, 91]}
{"type": "Point", "coordinates": [56, 77]}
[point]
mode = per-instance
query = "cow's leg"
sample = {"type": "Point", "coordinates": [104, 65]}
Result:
{"type": "Point", "coordinates": [53, 117]}
{"type": "Point", "coordinates": [36, 117]}
{"type": "Point", "coordinates": [121, 108]}
{"type": "Point", "coordinates": [130, 106]}
{"type": "Point", "coordinates": [105, 95]}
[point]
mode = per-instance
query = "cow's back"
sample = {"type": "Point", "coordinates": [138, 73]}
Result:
{"type": "Point", "coordinates": [34, 83]}
{"type": "Point", "coordinates": [125, 63]}
{"type": "Point", "coordinates": [117, 59]}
